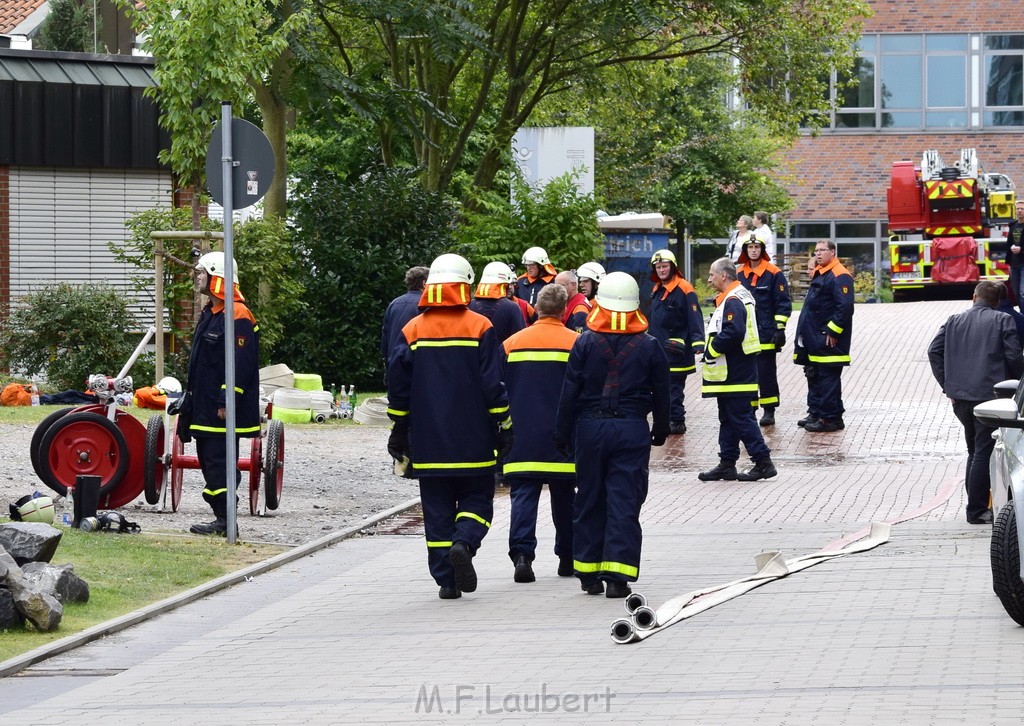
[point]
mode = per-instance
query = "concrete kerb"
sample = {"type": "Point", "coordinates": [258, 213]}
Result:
{"type": "Point", "coordinates": [18, 663]}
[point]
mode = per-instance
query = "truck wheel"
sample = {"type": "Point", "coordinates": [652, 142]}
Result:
{"type": "Point", "coordinates": [1005, 557]}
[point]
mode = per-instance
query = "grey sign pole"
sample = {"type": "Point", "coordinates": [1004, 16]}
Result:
{"type": "Point", "coordinates": [228, 162]}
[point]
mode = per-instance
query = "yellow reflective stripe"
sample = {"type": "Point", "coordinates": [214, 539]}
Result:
{"type": "Point", "coordinates": [767, 346]}
{"type": "Point", "coordinates": [396, 412]}
{"type": "Point", "coordinates": [457, 465]}
{"type": "Point", "coordinates": [834, 328]}
{"type": "Point", "coordinates": [782, 318]}
{"type": "Point", "coordinates": [499, 409]}
{"type": "Point", "coordinates": [438, 543]}
{"type": "Point", "coordinates": [768, 401]}
{"type": "Point", "coordinates": [678, 340]}
{"type": "Point", "coordinates": [477, 517]}
{"type": "Point", "coordinates": [223, 386]}
{"type": "Point", "coordinates": [215, 492]}
{"type": "Point", "coordinates": [684, 369]}
{"type": "Point", "coordinates": [620, 568]}
{"type": "Point", "coordinates": [519, 356]}
{"type": "Point", "coordinates": [732, 388]}
{"type": "Point", "coordinates": [618, 321]}
{"type": "Point", "coordinates": [710, 351]}
{"type": "Point", "coordinates": [828, 358]}
{"type": "Point", "coordinates": [586, 566]}
{"type": "Point", "coordinates": [223, 429]}
{"type": "Point", "coordinates": [451, 343]}
{"type": "Point", "coordinates": [545, 466]}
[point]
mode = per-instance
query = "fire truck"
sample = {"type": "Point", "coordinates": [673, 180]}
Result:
{"type": "Point", "coordinates": [947, 224]}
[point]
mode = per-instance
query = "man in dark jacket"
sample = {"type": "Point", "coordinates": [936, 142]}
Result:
{"type": "Point", "coordinates": [203, 407]}
{"type": "Point", "coordinates": [1015, 255]}
{"type": "Point", "coordinates": [972, 352]}
{"type": "Point", "coordinates": [823, 336]}
{"type": "Point", "coordinates": [400, 311]}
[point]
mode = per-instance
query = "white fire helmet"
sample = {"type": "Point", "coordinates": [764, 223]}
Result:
{"type": "Point", "coordinates": [169, 384]}
{"type": "Point", "coordinates": [450, 268]}
{"type": "Point", "coordinates": [497, 273]}
{"type": "Point", "coordinates": [663, 256]}
{"type": "Point", "coordinates": [590, 271]}
{"type": "Point", "coordinates": [33, 509]}
{"type": "Point", "coordinates": [214, 265]}
{"type": "Point", "coordinates": [536, 255]}
{"type": "Point", "coordinates": [619, 293]}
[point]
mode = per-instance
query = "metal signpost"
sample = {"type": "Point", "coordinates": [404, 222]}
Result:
{"type": "Point", "coordinates": [241, 159]}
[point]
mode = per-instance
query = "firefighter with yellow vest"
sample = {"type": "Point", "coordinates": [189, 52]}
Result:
{"type": "Point", "coordinates": [616, 375]}
{"type": "Point", "coordinates": [451, 416]}
{"type": "Point", "coordinates": [730, 375]}
{"type": "Point", "coordinates": [676, 321]}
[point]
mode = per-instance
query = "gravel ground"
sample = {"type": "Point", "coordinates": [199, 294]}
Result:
{"type": "Point", "coordinates": [335, 476]}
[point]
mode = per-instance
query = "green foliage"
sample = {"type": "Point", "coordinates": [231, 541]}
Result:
{"type": "Point", "coordinates": [266, 272]}
{"type": "Point", "coordinates": [557, 217]}
{"type": "Point", "coordinates": [356, 240]}
{"type": "Point", "coordinates": [67, 332]}
{"type": "Point", "coordinates": [69, 27]}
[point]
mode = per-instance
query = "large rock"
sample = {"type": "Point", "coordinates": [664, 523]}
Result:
{"type": "Point", "coordinates": [29, 541]}
{"type": "Point", "coordinates": [59, 580]}
{"type": "Point", "coordinates": [10, 616]}
{"type": "Point", "coordinates": [41, 608]}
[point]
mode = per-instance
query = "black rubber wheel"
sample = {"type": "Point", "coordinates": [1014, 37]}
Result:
{"type": "Point", "coordinates": [152, 459]}
{"type": "Point", "coordinates": [83, 443]}
{"type": "Point", "coordinates": [273, 467]}
{"type": "Point", "coordinates": [37, 437]}
{"type": "Point", "coordinates": [1005, 557]}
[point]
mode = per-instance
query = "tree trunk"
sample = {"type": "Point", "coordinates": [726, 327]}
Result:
{"type": "Point", "coordinates": [275, 125]}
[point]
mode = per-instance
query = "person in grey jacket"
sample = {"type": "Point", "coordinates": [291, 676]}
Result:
{"type": "Point", "coordinates": [972, 352]}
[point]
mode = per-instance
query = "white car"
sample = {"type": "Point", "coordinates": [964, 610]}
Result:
{"type": "Point", "coordinates": [1006, 413]}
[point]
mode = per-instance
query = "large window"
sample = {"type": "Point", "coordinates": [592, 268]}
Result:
{"type": "Point", "coordinates": [933, 81]}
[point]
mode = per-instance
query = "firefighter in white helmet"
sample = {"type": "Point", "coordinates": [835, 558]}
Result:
{"type": "Point", "coordinates": [491, 300]}
{"type": "Point", "coordinates": [539, 272]}
{"type": "Point", "coordinates": [201, 410]}
{"type": "Point", "coordinates": [589, 275]}
{"type": "Point", "coordinates": [451, 415]}
{"type": "Point", "coordinates": [616, 375]}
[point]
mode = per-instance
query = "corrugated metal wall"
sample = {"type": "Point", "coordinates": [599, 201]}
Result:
{"type": "Point", "coordinates": [62, 221]}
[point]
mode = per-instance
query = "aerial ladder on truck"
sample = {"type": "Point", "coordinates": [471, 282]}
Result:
{"type": "Point", "coordinates": [946, 224]}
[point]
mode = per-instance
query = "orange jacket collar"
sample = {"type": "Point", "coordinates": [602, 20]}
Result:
{"type": "Point", "coordinates": [726, 291]}
{"type": "Point", "coordinates": [829, 266]}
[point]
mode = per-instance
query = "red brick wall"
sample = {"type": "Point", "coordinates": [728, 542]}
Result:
{"type": "Point", "coordinates": [5, 238]}
{"type": "Point", "coordinates": [844, 176]}
{"type": "Point", "coordinates": [945, 16]}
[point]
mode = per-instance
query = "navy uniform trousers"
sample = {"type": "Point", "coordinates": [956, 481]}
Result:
{"type": "Point", "coordinates": [677, 391]}
{"type": "Point", "coordinates": [825, 392]}
{"type": "Point", "coordinates": [212, 453]}
{"type": "Point", "coordinates": [612, 459]}
{"type": "Point", "coordinates": [737, 423]}
{"type": "Point", "coordinates": [455, 509]}
{"type": "Point", "coordinates": [525, 495]}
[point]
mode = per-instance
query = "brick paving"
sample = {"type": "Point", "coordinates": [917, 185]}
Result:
{"type": "Point", "coordinates": [909, 632]}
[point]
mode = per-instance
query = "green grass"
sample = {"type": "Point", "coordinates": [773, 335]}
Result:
{"type": "Point", "coordinates": [126, 572]}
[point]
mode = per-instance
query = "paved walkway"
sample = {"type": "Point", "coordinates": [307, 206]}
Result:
{"type": "Point", "coordinates": [909, 632]}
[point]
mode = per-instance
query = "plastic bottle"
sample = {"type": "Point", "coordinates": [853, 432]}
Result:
{"type": "Point", "coordinates": [68, 518]}
{"type": "Point", "coordinates": [35, 395]}
{"type": "Point", "coordinates": [343, 405]}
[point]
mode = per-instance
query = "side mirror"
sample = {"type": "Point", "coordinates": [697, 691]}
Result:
{"type": "Point", "coordinates": [999, 413]}
{"type": "Point", "coordinates": [1005, 389]}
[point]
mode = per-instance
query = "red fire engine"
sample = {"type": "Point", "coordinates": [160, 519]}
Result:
{"type": "Point", "coordinates": [946, 223]}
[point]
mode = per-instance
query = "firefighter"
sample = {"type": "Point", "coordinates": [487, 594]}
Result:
{"type": "Point", "coordinates": [202, 409]}
{"type": "Point", "coordinates": [578, 307]}
{"type": "Point", "coordinates": [823, 335]}
{"type": "Point", "coordinates": [400, 311]}
{"type": "Point", "coordinates": [491, 300]}
{"type": "Point", "coordinates": [730, 377]}
{"type": "Point", "coordinates": [539, 272]}
{"type": "Point", "coordinates": [768, 285]}
{"type": "Point", "coordinates": [616, 375]}
{"type": "Point", "coordinates": [533, 371]}
{"type": "Point", "coordinates": [590, 275]}
{"type": "Point", "coordinates": [451, 413]}
{"type": "Point", "coordinates": [676, 321]}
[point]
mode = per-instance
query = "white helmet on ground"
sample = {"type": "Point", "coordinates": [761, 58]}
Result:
{"type": "Point", "coordinates": [497, 273]}
{"type": "Point", "coordinates": [619, 293]}
{"type": "Point", "coordinates": [536, 255]}
{"type": "Point", "coordinates": [450, 268]}
{"type": "Point", "coordinates": [33, 508]}
{"type": "Point", "coordinates": [214, 265]}
{"type": "Point", "coordinates": [169, 384]}
{"type": "Point", "coordinates": [590, 271]}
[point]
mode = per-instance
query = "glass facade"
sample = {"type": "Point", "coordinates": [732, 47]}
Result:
{"type": "Point", "coordinates": [933, 81]}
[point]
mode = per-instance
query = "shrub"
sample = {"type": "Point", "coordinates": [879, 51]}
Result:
{"type": "Point", "coordinates": [67, 332]}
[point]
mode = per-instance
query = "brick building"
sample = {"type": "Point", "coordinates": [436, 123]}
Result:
{"type": "Point", "coordinates": [941, 75]}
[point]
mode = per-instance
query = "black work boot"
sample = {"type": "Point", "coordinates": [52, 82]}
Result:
{"type": "Point", "coordinates": [725, 470]}
{"type": "Point", "coordinates": [768, 419]}
{"type": "Point", "coordinates": [677, 427]}
{"type": "Point", "coordinates": [218, 527]}
{"type": "Point", "coordinates": [462, 560]}
{"type": "Point", "coordinates": [617, 588]}
{"type": "Point", "coordinates": [806, 420]}
{"type": "Point", "coordinates": [565, 568]}
{"type": "Point", "coordinates": [449, 592]}
{"type": "Point", "coordinates": [825, 425]}
{"type": "Point", "coordinates": [595, 587]}
{"type": "Point", "coordinates": [524, 570]}
{"type": "Point", "coordinates": [763, 469]}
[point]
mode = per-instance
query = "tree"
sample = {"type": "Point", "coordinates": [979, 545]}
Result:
{"type": "Point", "coordinates": [207, 52]}
{"type": "Point", "coordinates": [460, 78]}
{"type": "Point", "coordinates": [68, 27]}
